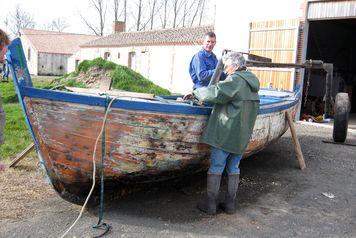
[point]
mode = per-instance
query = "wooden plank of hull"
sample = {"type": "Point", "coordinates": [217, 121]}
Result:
{"type": "Point", "coordinates": [141, 146]}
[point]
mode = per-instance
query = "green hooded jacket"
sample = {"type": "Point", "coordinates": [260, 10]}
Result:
{"type": "Point", "coordinates": [236, 104]}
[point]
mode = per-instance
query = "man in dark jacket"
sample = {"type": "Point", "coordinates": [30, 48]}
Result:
{"type": "Point", "coordinates": [236, 104]}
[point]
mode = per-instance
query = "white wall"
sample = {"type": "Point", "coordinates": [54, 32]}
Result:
{"type": "Point", "coordinates": [166, 66]}
{"type": "Point", "coordinates": [233, 17]}
{"type": "Point", "coordinates": [33, 62]}
{"type": "Point", "coordinates": [52, 64]}
{"type": "Point", "coordinates": [71, 61]}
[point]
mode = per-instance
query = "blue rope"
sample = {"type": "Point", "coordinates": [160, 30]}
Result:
{"type": "Point", "coordinates": [100, 224]}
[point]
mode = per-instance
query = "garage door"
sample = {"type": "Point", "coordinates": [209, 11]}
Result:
{"type": "Point", "coordinates": [277, 40]}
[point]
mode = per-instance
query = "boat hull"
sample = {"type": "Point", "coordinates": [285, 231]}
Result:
{"type": "Point", "coordinates": [140, 146]}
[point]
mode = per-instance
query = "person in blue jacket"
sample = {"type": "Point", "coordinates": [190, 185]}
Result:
{"type": "Point", "coordinates": [203, 63]}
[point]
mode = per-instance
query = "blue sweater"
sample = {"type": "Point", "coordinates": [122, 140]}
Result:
{"type": "Point", "coordinates": [202, 67]}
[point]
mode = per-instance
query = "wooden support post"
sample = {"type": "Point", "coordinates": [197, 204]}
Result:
{"type": "Point", "coordinates": [297, 148]}
{"type": "Point", "coordinates": [22, 155]}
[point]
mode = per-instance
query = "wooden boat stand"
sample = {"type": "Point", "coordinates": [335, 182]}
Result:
{"type": "Point", "coordinates": [22, 155]}
{"type": "Point", "coordinates": [297, 148]}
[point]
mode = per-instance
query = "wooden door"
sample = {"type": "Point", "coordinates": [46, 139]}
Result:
{"type": "Point", "coordinates": [277, 40]}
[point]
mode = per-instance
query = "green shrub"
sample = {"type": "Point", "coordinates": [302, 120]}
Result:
{"type": "Point", "coordinates": [123, 78]}
{"type": "Point", "coordinates": [129, 80]}
{"type": "Point", "coordinates": [84, 66]}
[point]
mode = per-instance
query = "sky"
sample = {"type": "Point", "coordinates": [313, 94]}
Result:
{"type": "Point", "coordinates": [44, 11]}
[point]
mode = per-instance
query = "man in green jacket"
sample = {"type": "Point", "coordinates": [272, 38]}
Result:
{"type": "Point", "coordinates": [236, 104]}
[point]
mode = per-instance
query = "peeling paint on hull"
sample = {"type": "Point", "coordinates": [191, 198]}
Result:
{"type": "Point", "coordinates": [140, 146]}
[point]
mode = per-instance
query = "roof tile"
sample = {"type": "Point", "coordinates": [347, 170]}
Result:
{"type": "Point", "coordinates": [190, 35]}
{"type": "Point", "coordinates": [56, 42]}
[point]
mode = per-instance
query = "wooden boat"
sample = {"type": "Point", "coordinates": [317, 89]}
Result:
{"type": "Point", "coordinates": [146, 140]}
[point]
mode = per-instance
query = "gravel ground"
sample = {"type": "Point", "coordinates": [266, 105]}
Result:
{"type": "Point", "coordinates": [275, 199]}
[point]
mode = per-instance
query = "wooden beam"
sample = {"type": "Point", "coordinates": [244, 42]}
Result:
{"type": "Point", "coordinates": [297, 148]}
{"type": "Point", "coordinates": [22, 155]}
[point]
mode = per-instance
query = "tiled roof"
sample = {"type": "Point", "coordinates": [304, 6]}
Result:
{"type": "Point", "coordinates": [56, 42]}
{"type": "Point", "coordinates": [190, 35]}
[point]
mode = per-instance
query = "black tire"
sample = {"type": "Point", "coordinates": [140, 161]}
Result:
{"type": "Point", "coordinates": [341, 117]}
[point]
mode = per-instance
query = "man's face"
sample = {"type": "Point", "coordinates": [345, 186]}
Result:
{"type": "Point", "coordinates": [209, 43]}
{"type": "Point", "coordinates": [2, 54]}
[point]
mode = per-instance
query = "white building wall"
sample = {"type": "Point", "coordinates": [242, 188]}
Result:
{"type": "Point", "coordinates": [32, 62]}
{"type": "Point", "coordinates": [52, 64]}
{"type": "Point", "coordinates": [233, 17]}
{"type": "Point", "coordinates": [166, 66]}
{"type": "Point", "coordinates": [71, 61]}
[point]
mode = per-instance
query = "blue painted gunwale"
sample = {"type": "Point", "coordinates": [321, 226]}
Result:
{"type": "Point", "coordinates": [268, 104]}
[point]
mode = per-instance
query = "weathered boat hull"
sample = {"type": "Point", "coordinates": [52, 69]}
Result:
{"type": "Point", "coordinates": [145, 140]}
{"type": "Point", "coordinates": [141, 146]}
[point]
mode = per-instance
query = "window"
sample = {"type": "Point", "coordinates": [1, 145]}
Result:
{"type": "Point", "coordinates": [132, 60]}
{"type": "Point", "coordinates": [29, 54]}
{"type": "Point", "coordinates": [106, 55]}
{"type": "Point", "coordinates": [76, 64]}
{"type": "Point", "coordinates": [118, 55]}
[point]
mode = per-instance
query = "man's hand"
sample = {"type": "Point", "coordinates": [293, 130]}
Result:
{"type": "Point", "coordinates": [188, 97]}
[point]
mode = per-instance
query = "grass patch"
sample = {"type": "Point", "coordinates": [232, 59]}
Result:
{"type": "Point", "coordinates": [17, 136]}
{"type": "Point", "coordinates": [129, 80]}
{"type": "Point", "coordinates": [85, 65]}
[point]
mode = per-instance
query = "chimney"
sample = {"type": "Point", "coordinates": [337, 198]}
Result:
{"type": "Point", "coordinates": [118, 26]}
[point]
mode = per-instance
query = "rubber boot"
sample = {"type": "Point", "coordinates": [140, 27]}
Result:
{"type": "Point", "coordinates": [229, 206]}
{"type": "Point", "coordinates": [208, 204]}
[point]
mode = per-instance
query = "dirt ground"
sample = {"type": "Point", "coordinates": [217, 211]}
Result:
{"type": "Point", "coordinates": [275, 199]}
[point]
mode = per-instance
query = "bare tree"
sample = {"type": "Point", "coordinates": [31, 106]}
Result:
{"type": "Point", "coordinates": [47, 27]}
{"type": "Point", "coordinates": [177, 5]}
{"type": "Point", "coordinates": [153, 11]}
{"type": "Point", "coordinates": [195, 12]}
{"type": "Point", "coordinates": [202, 8]}
{"type": "Point", "coordinates": [139, 15]}
{"type": "Point", "coordinates": [187, 10]}
{"type": "Point", "coordinates": [164, 18]}
{"type": "Point", "coordinates": [116, 10]}
{"type": "Point", "coordinates": [59, 24]}
{"type": "Point", "coordinates": [20, 19]}
{"type": "Point", "coordinates": [100, 8]}
{"type": "Point", "coordinates": [125, 11]}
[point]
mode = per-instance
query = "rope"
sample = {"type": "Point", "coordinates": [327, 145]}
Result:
{"type": "Point", "coordinates": [100, 224]}
{"type": "Point", "coordinates": [94, 169]}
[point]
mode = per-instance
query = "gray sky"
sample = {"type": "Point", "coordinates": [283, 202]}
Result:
{"type": "Point", "coordinates": [45, 11]}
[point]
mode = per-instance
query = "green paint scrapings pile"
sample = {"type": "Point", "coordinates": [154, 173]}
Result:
{"type": "Point", "coordinates": [92, 73]}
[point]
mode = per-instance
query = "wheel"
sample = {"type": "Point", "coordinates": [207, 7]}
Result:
{"type": "Point", "coordinates": [341, 117]}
